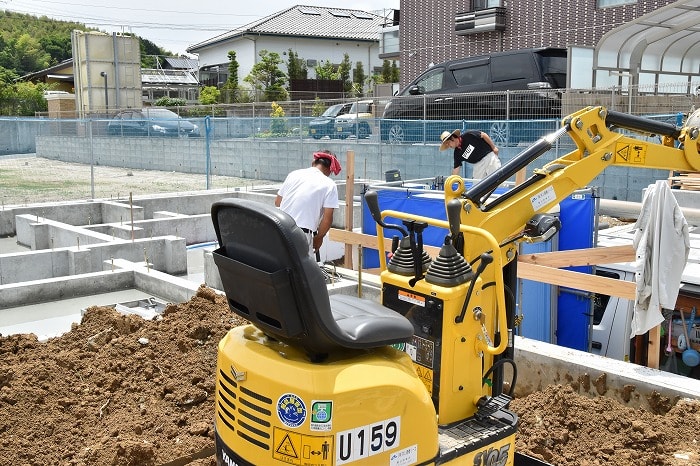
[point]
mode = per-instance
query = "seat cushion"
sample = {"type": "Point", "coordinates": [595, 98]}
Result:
{"type": "Point", "coordinates": [366, 324]}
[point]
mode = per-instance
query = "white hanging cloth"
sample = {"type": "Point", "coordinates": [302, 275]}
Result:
{"type": "Point", "coordinates": [662, 244]}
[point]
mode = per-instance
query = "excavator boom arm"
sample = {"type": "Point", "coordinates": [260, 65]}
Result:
{"type": "Point", "coordinates": [600, 143]}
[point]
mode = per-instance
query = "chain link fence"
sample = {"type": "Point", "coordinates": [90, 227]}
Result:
{"type": "Point", "coordinates": [215, 144]}
{"type": "Point", "coordinates": [511, 117]}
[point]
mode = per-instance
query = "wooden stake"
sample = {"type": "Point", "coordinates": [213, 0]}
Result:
{"type": "Point", "coordinates": [349, 203]}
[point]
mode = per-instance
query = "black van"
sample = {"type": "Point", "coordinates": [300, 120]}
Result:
{"type": "Point", "coordinates": [472, 88]}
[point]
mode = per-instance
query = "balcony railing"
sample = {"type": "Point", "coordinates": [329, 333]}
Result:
{"type": "Point", "coordinates": [473, 22]}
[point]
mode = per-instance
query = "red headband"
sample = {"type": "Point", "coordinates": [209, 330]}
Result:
{"type": "Point", "coordinates": [335, 165]}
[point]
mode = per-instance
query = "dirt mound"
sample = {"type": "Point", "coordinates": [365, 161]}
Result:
{"type": "Point", "coordinates": [567, 429]}
{"type": "Point", "coordinates": [118, 390]}
{"type": "Point", "coordinates": [115, 390]}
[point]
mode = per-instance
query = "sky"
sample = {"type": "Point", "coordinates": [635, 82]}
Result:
{"type": "Point", "coordinates": [173, 24]}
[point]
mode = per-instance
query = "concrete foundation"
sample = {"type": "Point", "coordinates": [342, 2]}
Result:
{"type": "Point", "coordinates": [84, 248]}
{"type": "Point", "coordinates": [541, 364]}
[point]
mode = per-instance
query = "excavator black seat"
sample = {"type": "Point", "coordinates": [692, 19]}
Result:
{"type": "Point", "coordinates": [270, 280]}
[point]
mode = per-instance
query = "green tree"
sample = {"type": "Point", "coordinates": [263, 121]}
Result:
{"type": "Point", "coordinates": [358, 79]}
{"type": "Point", "coordinates": [326, 70]}
{"type": "Point", "coordinates": [7, 56]}
{"type": "Point", "coordinates": [395, 77]}
{"type": "Point", "coordinates": [266, 76]}
{"type": "Point", "coordinates": [58, 46]}
{"type": "Point", "coordinates": [230, 87]}
{"type": "Point", "coordinates": [318, 108]}
{"type": "Point", "coordinates": [386, 72]}
{"type": "Point", "coordinates": [30, 55]}
{"type": "Point", "coordinates": [344, 73]}
{"type": "Point", "coordinates": [7, 77]}
{"type": "Point", "coordinates": [232, 80]}
{"type": "Point", "coordinates": [278, 125]}
{"type": "Point", "coordinates": [209, 95]}
{"type": "Point", "coordinates": [151, 53]}
{"type": "Point", "coordinates": [22, 98]}
{"type": "Point", "coordinates": [245, 93]}
{"type": "Point", "coordinates": [296, 67]}
{"type": "Point", "coordinates": [51, 37]}
{"type": "Point", "coordinates": [150, 61]}
{"type": "Point", "coordinates": [31, 98]}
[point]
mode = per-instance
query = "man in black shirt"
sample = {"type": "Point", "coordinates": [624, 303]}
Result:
{"type": "Point", "coordinates": [474, 147]}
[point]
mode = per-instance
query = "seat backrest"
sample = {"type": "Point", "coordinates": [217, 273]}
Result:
{"type": "Point", "coordinates": [269, 277]}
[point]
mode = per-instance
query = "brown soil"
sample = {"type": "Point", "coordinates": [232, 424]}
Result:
{"type": "Point", "coordinates": [567, 429]}
{"type": "Point", "coordinates": [118, 390]}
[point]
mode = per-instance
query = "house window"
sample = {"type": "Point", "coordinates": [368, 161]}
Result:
{"type": "Point", "coordinates": [608, 3]}
{"type": "Point", "coordinates": [389, 40]}
{"type": "Point", "coordinates": [484, 4]}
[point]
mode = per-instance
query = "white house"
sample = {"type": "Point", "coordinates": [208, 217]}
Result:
{"type": "Point", "coordinates": [314, 33]}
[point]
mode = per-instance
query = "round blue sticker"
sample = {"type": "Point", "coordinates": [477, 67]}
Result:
{"type": "Point", "coordinates": [291, 410]}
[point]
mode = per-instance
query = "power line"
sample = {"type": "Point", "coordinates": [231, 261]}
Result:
{"type": "Point", "coordinates": [31, 8]}
{"type": "Point", "coordinates": [130, 9]}
{"type": "Point", "coordinates": [54, 9]}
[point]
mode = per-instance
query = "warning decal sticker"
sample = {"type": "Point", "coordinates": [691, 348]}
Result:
{"type": "Point", "coordinates": [634, 154]}
{"type": "Point", "coordinates": [302, 450]}
{"type": "Point", "coordinates": [411, 298]}
{"type": "Point", "coordinates": [426, 376]}
{"type": "Point", "coordinates": [286, 448]}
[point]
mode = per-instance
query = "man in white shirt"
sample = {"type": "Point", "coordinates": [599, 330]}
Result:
{"type": "Point", "coordinates": [310, 197]}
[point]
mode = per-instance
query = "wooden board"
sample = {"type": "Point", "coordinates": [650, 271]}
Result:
{"type": "Point", "coordinates": [539, 267]}
{"type": "Point", "coordinates": [686, 181]}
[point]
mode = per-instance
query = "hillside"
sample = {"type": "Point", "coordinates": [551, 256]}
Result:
{"type": "Point", "coordinates": [30, 43]}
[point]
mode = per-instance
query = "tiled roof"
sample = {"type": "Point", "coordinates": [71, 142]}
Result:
{"type": "Point", "coordinates": [64, 65]}
{"type": "Point", "coordinates": [309, 21]}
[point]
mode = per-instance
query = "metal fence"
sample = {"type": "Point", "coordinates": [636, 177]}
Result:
{"type": "Point", "coordinates": [257, 148]}
{"type": "Point", "coordinates": [510, 117]}
{"type": "Point", "coordinates": [370, 130]}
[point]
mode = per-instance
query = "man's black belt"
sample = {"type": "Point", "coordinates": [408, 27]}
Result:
{"type": "Point", "coordinates": [306, 230]}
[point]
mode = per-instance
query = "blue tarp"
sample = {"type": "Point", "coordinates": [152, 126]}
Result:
{"type": "Point", "coordinates": [536, 299]}
{"type": "Point", "coordinates": [577, 214]}
{"type": "Point", "coordinates": [574, 308]}
{"type": "Point", "coordinates": [423, 202]}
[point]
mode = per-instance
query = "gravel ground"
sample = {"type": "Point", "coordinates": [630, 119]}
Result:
{"type": "Point", "coordinates": [30, 179]}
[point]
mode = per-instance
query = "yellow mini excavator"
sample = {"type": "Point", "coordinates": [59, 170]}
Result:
{"type": "Point", "coordinates": [418, 379]}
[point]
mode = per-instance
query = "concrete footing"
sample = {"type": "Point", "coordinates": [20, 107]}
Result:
{"type": "Point", "coordinates": [84, 248]}
{"type": "Point", "coordinates": [541, 364]}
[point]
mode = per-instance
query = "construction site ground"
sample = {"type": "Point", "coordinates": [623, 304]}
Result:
{"type": "Point", "coordinates": [119, 390]}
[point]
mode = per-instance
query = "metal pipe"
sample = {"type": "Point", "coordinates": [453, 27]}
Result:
{"type": "Point", "coordinates": [486, 186]}
{"type": "Point", "coordinates": [104, 75]}
{"type": "Point", "coordinates": [643, 125]}
{"type": "Point", "coordinates": [631, 210]}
